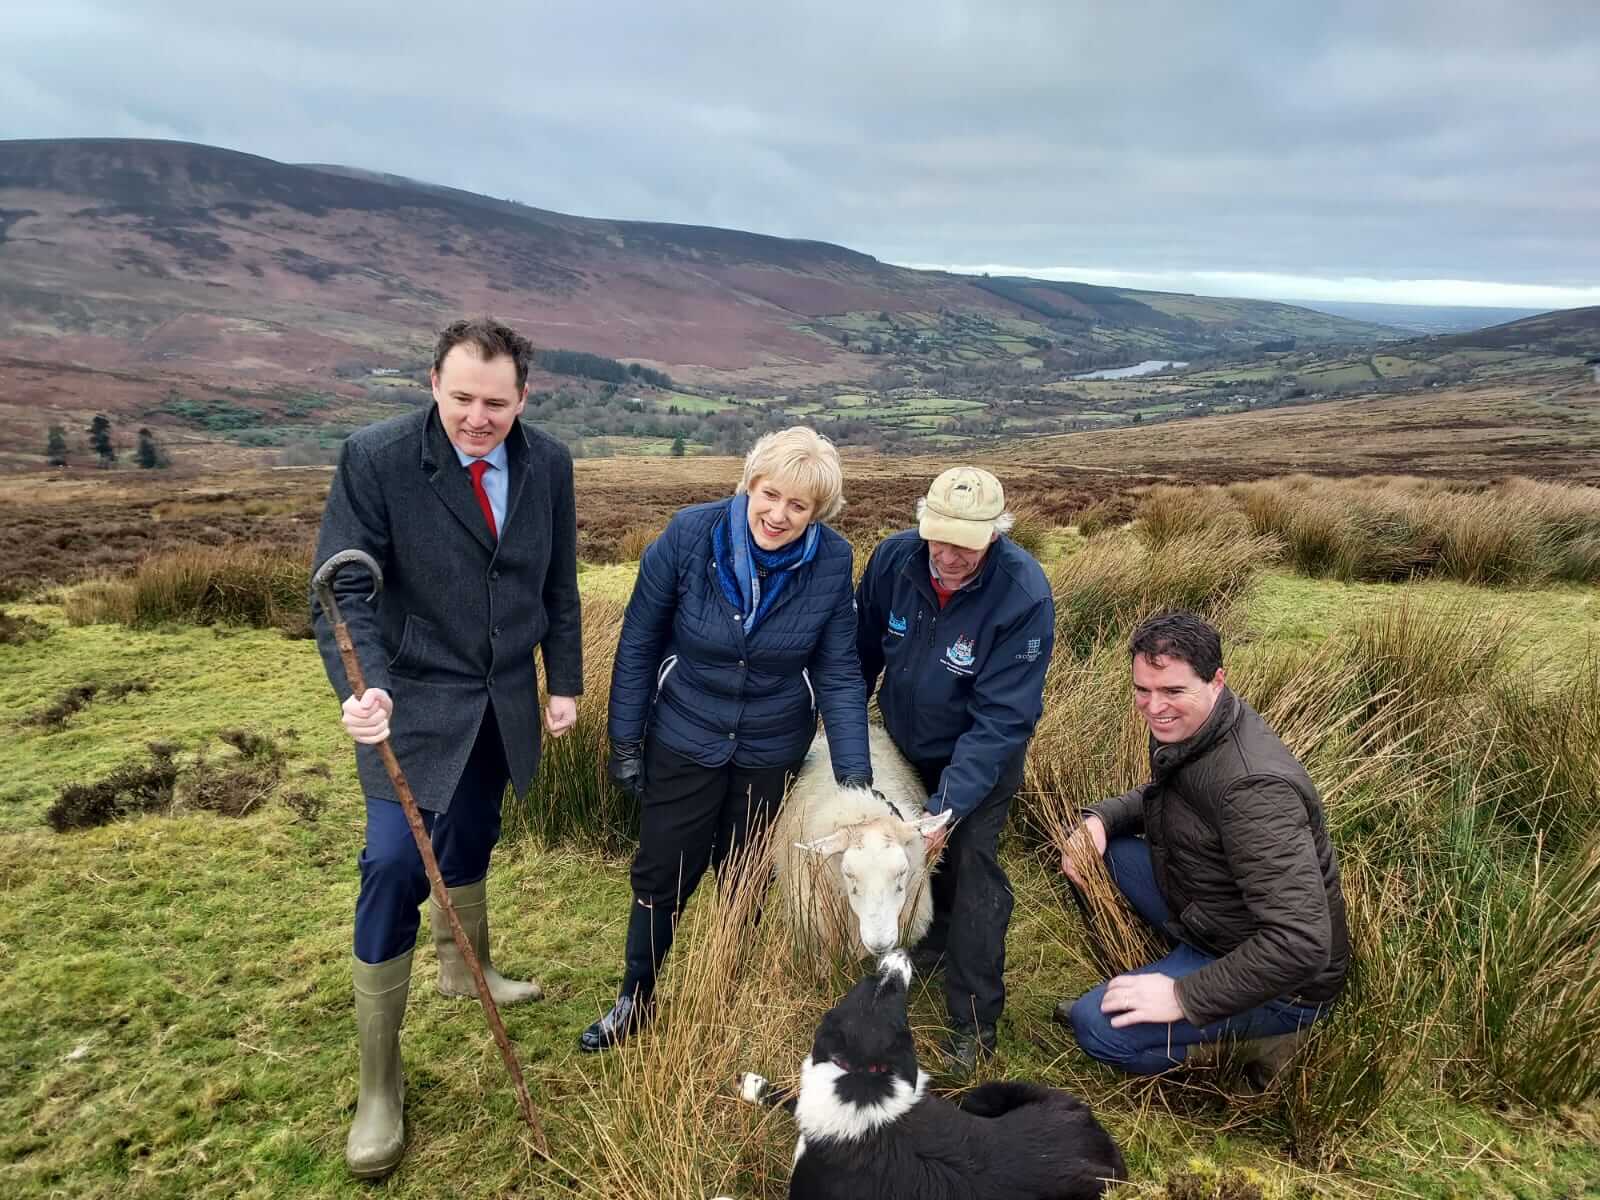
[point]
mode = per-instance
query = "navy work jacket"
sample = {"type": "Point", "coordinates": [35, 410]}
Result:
{"type": "Point", "coordinates": [711, 692]}
{"type": "Point", "coordinates": [962, 685]}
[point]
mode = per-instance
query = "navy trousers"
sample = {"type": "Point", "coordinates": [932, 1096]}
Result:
{"type": "Point", "coordinates": [1150, 1049]}
{"type": "Point", "coordinates": [393, 882]}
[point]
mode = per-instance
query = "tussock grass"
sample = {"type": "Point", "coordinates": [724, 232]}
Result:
{"type": "Point", "coordinates": [264, 587]}
{"type": "Point", "coordinates": [1030, 531]}
{"type": "Point", "coordinates": [1543, 767]}
{"type": "Point", "coordinates": [1112, 583]}
{"type": "Point", "coordinates": [1116, 939]}
{"type": "Point", "coordinates": [1368, 1053]}
{"type": "Point", "coordinates": [1106, 514]}
{"type": "Point", "coordinates": [1166, 513]}
{"type": "Point", "coordinates": [1088, 746]}
{"type": "Point", "coordinates": [1532, 1005]}
{"type": "Point", "coordinates": [634, 541]}
{"type": "Point", "coordinates": [573, 801]}
{"type": "Point", "coordinates": [662, 1118]}
{"type": "Point", "coordinates": [1386, 528]}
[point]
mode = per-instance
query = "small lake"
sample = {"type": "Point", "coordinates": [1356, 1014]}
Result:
{"type": "Point", "coordinates": [1149, 367]}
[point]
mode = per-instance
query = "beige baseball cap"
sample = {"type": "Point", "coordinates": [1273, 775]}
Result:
{"type": "Point", "coordinates": [961, 508]}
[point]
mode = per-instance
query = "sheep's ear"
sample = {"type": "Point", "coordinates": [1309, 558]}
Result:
{"type": "Point", "coordinates": [834, 843]}
{"type": "Point", "coordinates": [927, 825]}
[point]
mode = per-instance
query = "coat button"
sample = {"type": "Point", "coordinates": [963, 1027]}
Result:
{"type": "Point", "coordinates": [495, 632]}
{"type": "Point", "coordinates": [489, 681]}
{"type": "Point", "coordinates": [730, 737]}
{"type": "Point", "coordinates": [741, 664]}
{"type": "Point", "coordinates": [494, 574]}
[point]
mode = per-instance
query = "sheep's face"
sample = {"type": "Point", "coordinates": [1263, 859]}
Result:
{"type": "Point", "coordinates": [877, 871]}
{"type": "Point", "coordinates": [879, 862]}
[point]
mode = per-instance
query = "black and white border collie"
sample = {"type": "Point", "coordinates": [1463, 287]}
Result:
{"type": "Point", "coordinates": [870, 1128]}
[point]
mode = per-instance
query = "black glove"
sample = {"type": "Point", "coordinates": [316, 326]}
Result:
{"type": "Point", "coordinates": [626, 767]}
{"type": "Point", "coordinates": [861, 781]}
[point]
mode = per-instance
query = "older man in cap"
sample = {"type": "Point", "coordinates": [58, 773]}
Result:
{"type": "Point", "coordinates": [959, 621]}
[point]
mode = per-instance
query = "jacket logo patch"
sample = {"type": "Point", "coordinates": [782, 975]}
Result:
{"type": "Point", "coordinates": [958, 656]}
{"type": "Point", "coordinates": [1031, 654]}
{"type": "Point", "coordinates": [897, 625]}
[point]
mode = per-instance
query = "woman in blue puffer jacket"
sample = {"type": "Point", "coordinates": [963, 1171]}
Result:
{"type": "Point", "coordinates": [740, 631]}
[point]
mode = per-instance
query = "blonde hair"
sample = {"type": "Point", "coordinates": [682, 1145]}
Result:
{"type": "Point", "coordinates": [802, 458]}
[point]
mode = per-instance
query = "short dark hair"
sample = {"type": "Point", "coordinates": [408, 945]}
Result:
{"type": "Point", "coordinates": [491, 339]}
{"type": "Point", "coordinates": [1180, 635]}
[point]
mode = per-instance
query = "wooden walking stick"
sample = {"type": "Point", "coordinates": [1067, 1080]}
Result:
{"type": "Point", "coordinates": [322, 583]}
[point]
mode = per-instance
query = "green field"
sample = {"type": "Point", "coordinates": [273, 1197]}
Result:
{"type": "Point", "coordinates": [1335, 375]}
{"type": "Point", "coordinates": [687, 402]}
{"type": "Point", "coordinates": [621, 445]}
{"type": "Point", "coordinates": [1389, 366]}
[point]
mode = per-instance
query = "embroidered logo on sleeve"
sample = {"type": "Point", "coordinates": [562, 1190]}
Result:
{"type": "Point", "coordinates": [1031, 654]}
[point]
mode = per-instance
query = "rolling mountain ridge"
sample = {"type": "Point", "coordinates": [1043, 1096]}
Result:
{"type": "Point", "coordinates": [152, 265]}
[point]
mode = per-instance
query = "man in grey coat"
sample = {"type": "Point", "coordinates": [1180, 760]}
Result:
{"type": "Point", "coordinates": [471, 517]}
{"type": "Point", "coordinates": [1234, 870]}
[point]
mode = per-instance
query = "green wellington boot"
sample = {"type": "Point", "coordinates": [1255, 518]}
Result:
{"type": "Point", "coordinates": [378, 1133]}
{"type": "Point", "coordinates": [472, 909]}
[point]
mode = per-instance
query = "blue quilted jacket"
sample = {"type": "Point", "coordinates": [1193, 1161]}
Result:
{"type": "Point", "coordinates": [710, 692]}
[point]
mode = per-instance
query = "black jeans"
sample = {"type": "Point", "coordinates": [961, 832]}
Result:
{"type": "Point", "coordinates": [972, 903]}
{"type": "Point", "coordinates": [692, 817]}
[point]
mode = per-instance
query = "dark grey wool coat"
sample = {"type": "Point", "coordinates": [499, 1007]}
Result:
{"type": "Point", "coordinates": [1242, 857]}
{"type": "Point", "coordinates": [459, 616]}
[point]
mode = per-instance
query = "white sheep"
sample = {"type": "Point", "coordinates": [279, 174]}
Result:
{"type": "Point", "coordinates": [851, 866]}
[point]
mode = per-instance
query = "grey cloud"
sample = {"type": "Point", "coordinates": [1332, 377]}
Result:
{"type": "Point", "coordinates": [1449, 138]}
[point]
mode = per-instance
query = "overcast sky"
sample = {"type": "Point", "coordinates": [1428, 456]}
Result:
{"type": "Point", "coordinates": [1423, 152]}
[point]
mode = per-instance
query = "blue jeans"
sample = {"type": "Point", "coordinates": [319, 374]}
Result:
{"type": "Point", "coordinates": [1147, 1048]}
{"type": "Point", "coordinates": [393, 882]}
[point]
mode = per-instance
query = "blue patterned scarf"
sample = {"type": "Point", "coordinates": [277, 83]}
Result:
{"type": "Point", "coordinates": [751, 577]}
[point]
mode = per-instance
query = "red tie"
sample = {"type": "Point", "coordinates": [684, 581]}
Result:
{"type": "Point", "coordinates": [476, 470]}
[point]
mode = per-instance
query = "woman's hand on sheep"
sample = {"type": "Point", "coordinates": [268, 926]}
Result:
{"type": "Point", "coordinates": [1091, 833]}
{"type": "Point", "coordinates": [366, 718]}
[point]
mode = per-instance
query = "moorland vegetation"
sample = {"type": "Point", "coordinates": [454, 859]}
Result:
{"type": "Point", "coordinates": [177, 1017]}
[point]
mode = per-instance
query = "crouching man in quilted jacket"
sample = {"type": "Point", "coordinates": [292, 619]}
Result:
{"type": "Point", "coordinates": [1233, 869]}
